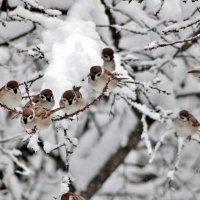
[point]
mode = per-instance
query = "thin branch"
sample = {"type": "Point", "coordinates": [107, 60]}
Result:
{"type": "Point", "coordinates": [160, 8]}
{"type": "Point", "coordinates": [13, 110]}
{"type": "Point", "coordinates": [6, 43]}
{"type": "Point", "coordinates": [32, 80]}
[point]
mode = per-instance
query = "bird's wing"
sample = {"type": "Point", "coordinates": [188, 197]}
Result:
{"type": "Point", "coordinates": [194, 71]}
{"type": "Point", "coordinates": [2, 91]}
{"type": "Point", "coordinates": [76, 197]}
{"type": "Point", "coordinates": [34, 100]}
{"type": "Point", "coordinates": [41, 112]}
{"type": "Point", "coordinates": [194, 121]}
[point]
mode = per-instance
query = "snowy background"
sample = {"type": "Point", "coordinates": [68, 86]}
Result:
{"type": "Point", "coordinates": [112, 142]}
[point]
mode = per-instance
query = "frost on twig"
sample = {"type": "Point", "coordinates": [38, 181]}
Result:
{"type": "Point", "coordinates": [181, 143]}
{"type": "Point", "coordinates": [20, 14]}
{"type": "Point", "coordinates": [158, 144]}
{"type": "Point", "coordinates": [37, 52]}
{"type": "Point", "coordinates": [156, 44]}
{"type": "Point", "coordinates": [145, 135]}
{"type": "Point", "coordinates": [65, 183]}
{"type": "Point", "coordinates": [33, 142]}
{"type": "Point", "coordinates": [34, 4]}
{"type": "Point", "coordinates": [49, 147]}
{"type": "Point", "coordinates": [13, 156]}
{"type": "Point", "coordinates": [181, 25]}
{"type": "Point", "coordinates": [141, 31]}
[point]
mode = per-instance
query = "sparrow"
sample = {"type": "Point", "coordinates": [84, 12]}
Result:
{"type": "Point", "coordinates": [108, 57]}
{"type": "Point", "coordinates": [45, 99]}
{"type": "Point", "coordinates": [37, 117]}
{"type": "Point", "coordinates": [71, 196]}
{"type": "Point", "coordinates": [10, 95]}
{"type": "Point", "coordinates": [72, 100]}
{"type": "Point", "coordinates": [195, 73]}
{"type": "Point", "coordinates": [186, 124]}
{"type": "Point", "coordinates": [99, 77]}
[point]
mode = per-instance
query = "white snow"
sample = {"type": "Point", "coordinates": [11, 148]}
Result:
{"type": "Point", "coordinates": [33, 142]}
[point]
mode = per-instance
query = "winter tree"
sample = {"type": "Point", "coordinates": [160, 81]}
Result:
{"type": "Point", "coordinates": [122, 143]}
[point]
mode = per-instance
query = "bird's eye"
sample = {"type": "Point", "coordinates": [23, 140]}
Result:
{"type": "Point", "coordinates": [52, 98]}
{"type": "Point", "coordinates": [99, 74]}
{"type": "Point", "coordinates": [42, 97]}
{"type": "Point", "coordinates": [64, 100]}
{"type": "Point", "coordinates": [31, 117]}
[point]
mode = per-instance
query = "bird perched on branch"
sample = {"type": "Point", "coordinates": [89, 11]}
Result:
{"type": "Point", "coordinates": [37, 117]}
{"type": "Point", "coordinates": [45, 99]}
{"type": "Point", "coordinates": [72, 100]}
{"type": "Point", "coordinates": [108, 56]}
{"type": "Point", "coordinates": [71, 196]}
{"type": "Point", "coordinates": [186, 124]}
{"type": "Point", "coordinates": [10, 94]}
{"type": "Point", "coordinates": [195, 72]}
{"type": "Point", "coordinates": [99, 77]}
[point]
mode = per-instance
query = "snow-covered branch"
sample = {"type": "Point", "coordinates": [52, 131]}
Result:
{"type": "Point", "coordinates": [156, 44]}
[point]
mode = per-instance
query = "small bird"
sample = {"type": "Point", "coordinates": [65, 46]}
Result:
{"type": "Point", "coordinates": [37, 117]}
{"type": "Point", "coordinates": [195, 72]}
{"type": "Point", "coordinates": [108, 56]}
{"type": "Point", "coordinates": [45, 99]}
{"type": "Point", "coordinates": [99, 77]}
{"type": "Point", "coordinates": [186, 124]}
{"type": "Point", "coordinates": [72, 100]}
{"type": "Point", "coordinates": [10, 94]}
{"type": "Point", "coordinates": [71, 196]}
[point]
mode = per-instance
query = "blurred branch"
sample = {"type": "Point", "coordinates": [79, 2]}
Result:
{"type": "Point", "coordinates": [186, 46]}
{"type": "Point", "coordinates": [32, 80]}
{"type": "Point", "coordinates": [6, 43]}
{"type": "Point", "coordinates": [160, 8]}
{"type": "Point", "coordinates": [10, 109]}
{"type": "Point", "coordinates": [122, 28]}
{"type": "Point", "coordinates": [115, 160]}
{"type": "Point", "coordinates": [115, 34]}
{"type": "Point", "coordinates": [11, 138]}
{"type": "Point", "coordinates": [176, 27]}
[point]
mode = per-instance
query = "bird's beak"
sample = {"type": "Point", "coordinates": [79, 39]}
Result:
{"type": "Point", "coordinates": [25, 120]}
{"type": "Point", "coordinates": [15, 90]}
{"type": "Point", "coordinates": [92, 77]}
{"type": "Point", "coordinates": [48, 99]}
{"type": "Point", "coordinates": [70, 102]}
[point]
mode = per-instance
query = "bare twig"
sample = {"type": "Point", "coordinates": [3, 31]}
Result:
{"type": "Point", "coordinates": [13, 110]}
{"type": "Point", "coordinates": [32, 80]}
